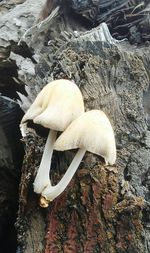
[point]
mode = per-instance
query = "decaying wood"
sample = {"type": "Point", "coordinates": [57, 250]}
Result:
{"type": "Point", "coordinates": [104, 208]}
{"type": "Point", "coordinates": [106, 205]}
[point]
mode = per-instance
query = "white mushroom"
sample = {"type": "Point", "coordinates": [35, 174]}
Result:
{"type": "Point", "coordinates": [55, 107]}
{"type": "Point", "coordinates": [91, 132]}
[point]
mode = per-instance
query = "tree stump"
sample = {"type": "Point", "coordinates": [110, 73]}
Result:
{"type": "Point", "coordinates": [105, 208]}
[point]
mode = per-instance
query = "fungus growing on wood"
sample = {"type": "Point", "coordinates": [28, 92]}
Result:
{"type": "Point", "coordinates": [55, 107]}
{"type": "Point", "coordinates": [91, 132]}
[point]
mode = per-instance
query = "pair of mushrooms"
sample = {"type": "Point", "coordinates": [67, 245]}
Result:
{"type": "Point", "coordinates": [60, 107]}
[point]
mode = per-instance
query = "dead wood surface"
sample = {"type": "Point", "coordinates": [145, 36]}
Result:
{"type": "Point", "coordinates": [105, 208]}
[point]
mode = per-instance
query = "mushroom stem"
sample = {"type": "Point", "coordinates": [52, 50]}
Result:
{"type": "Point", "coordinates": [51, 192]}
{"type": "Point", "coordinates": [42, 179]}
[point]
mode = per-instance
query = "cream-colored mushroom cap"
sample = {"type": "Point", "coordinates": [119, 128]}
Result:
{"type": "Point", "coordinates": [91, 131]}
{"type": "Point", "coordinates": [58, 104]}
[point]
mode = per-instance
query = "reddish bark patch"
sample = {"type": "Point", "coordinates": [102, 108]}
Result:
{"type": "Point", "coordinates": [54, 226]}
{"type": "Point", "coordinates": [72, 245]}
{"type": "Point", "coordinates": [86, 218]}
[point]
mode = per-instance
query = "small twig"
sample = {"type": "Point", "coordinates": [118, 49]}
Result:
{"type": "Point", "coordinates": [41, 25]}
{"type": "Point", "coordinates": [138, 6]}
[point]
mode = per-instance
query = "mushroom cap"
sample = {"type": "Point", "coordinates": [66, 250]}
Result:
{"type": "Point", "coordinates": [91, 131]}
{"type": "Point", "coordinates": [56, 106]}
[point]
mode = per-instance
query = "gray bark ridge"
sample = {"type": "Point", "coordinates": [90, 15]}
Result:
{"type": "Point", "coordinates": [16, 22]}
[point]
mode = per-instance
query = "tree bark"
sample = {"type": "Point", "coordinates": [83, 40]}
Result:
{"type": "Point", "coordinates": [104, 208]}
{"type": "Point", "coordinates": [107, 205]}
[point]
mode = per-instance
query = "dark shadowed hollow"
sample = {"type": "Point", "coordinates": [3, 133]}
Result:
{"type": "Point", "coordinates": [11, 156]}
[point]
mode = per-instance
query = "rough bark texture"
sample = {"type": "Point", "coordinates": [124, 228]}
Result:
{"type": "Point", "coordinates": [105, 208]}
